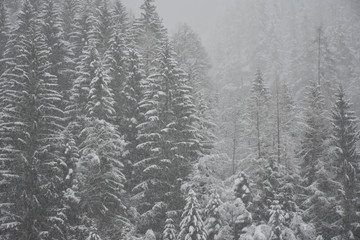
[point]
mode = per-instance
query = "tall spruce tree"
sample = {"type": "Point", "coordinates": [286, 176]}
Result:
{"type": "Point", "coordinates": [313, 145]}
{"type": "Point", "coordinates": [101, 30]}
{"type": "Point", "coordinates": [345, 136]}
{"type": "Point", "coordinates": [32, 205]}
{"type": "Point", "coordinates": [101, 165]}
{"type": "Point", "coordinates": [149, 34]}
{"type": "Point", "coordinates": [192, 226]}
{"type": "Point", "coordinates": [60, 57]}
{"type": "Point", "coordinates": [169, 231]}
{"type": "Point", "coordinates": [86, 72]}
{"type": "Point", "coordinates": [213, 219]}
{"type": "Point", "coordinates": [258, 104]}
{"type": "Point", "coordinates": [132, 95]}
{"type": "Point", "coordinates": [318, 197]}
{"type": "Point", "coordinates": [168, 135]}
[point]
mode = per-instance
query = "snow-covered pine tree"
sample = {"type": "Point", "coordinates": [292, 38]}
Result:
{"type": "Point", "coordinates": [102, 179]}
{"type": "Point", "coordinates": [102, 26]}
{"type": "Point", "coordinates": [100, 100]}
{"type": "Point", "coordinates": [318, 197]}
{"type": "Point", "coordinates": [277, 220]}
{"type": "Point", "coordinates": [132, 95]}
{"type": "Point", "coordinates": [83, 22]}
{"type": "Point", "coordinates": [101, 166]}
{"type": "Point", "coordinates": [168, 135]}
{"type": "Point", "coordinates": [345, 136]}
{"type": "Point", "coordinates": [79, 229]}
{"type": "Point", "coordinates": [213, 219]}
{"type": "Point", "coordinates": [60, 57]}
{"type": "Point", "coordinates": [32, 198]}
{"type": "Point", "coordinates": [258, 103]}
{"type": "Point", "coordinates": [86, 69]}
{"type": "Point", "coordinates": [192, 226]}
{"type": "Point", "coordinates": [116, 58]}
{"type": "Point", "coordinates": [149, 34]}
{"type": "Point", "coordinates": [149, 235]}
{"type": "Point", "coordinates": [191, 56]}
{"type": "Point", "coordinates": [313, 146]}
{"type": "Point", "coordinates": [120, 18]}
{"type": "Point", "coordinates": [169, 230]}
{"type": "Point", "coordinates": [69, 9]}
{"type": "Point", "coordinates": [242, 189]}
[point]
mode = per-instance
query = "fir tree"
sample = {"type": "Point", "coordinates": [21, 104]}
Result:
{"type": "Point", "coordinates": [315, 133]}
{"type": "Point", "coordinates": [69, 10]}
{"type": "Point", "coordinates": [116, 60]}
{"type": "Point", "coordinates": [86, 72]}
{"type": "Point", "coordinates": [191, 56]}
{"type": "Point", "coordinates": [101, 150]}
{"type": "Point", "coordinates": [242, 189]}
{"type": "Point", "coordinates": [83, 23]}
{"type": "Point", "coordinates": [101, 29]}
{"type": "Point", "coordinates": [168, 135]}
{"type": "Point", "coordinates": [345, 136]}
{"type": "Point", "coordinates": [120, 18]}
{"type": "Point", "coordinates": [169, 230]}
{"type": "Point", "coordinates": [192, 226]}
{"type": "Point", "coordinates": [213, 219]}
{"type": "Point", "coordinates": [32, 121]}
{"type": "Point", "coordinates": [149, 34]}
{"type": "Point", "coordinates": [277, 219]}
{"type": "Point", "coordinates": [258, 103]}
{"type": "Point", "coordinates": [100, 101]}
{"type": "Point", "coordinates": [132, 94]}
{"type": "Point", "coordinates": [60, 56]}
{"type": "Point", "coordinates": [318, 185]}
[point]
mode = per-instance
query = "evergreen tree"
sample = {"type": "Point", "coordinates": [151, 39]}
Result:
{"type": "Point", "coordinates": [132, 94]}
{"type": "Point", "coordinates": [86, 72]}
{"type": "Point", "coordinates": [69, 10]}
{"type": "Point", "coordinates": [277, 219]}
{"type": "Point", "coordinates": [242, 189]}
{"type": "Point", "coordinates": [317, 199]}
{"type": "Point", "coordinates": [191, 56]}
{"type": "Point", "coordinates": [313, 145]}
{"type": "Point", "coordinates": [101, 150]}
{"type": "Point", "coordinates": [83, 23]}
{"type": "Point", "coordinates": [116, 60]}
{"type": "Point", "coordinates": [169, 230]}
{"type": "Point", "coordinates": [258, 103]}
{"type": "Point", "coordinates": [168, 135]}
{"type": "Point", "coordinates": [120, 18]}
{"type": "Point", "coordinates": [213, 219]}
{"type": "Point", "coordinates": [32, 121]}
{"type": "Point", "coordinates": [345, 135]}
{"type": "Point", "coordinates": [60, 56]}
{"type": "Point", "coordinates": [192, 226]}
{"type": "Point", "coordinates": [101, 29]}
{"type": "Point", "coordinates": [149, 34]}
{"type": "Point", "coordinates": [100, 100]}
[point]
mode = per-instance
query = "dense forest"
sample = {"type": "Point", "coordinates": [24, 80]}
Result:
{"type": "Point", "coordinates": [111, 128]}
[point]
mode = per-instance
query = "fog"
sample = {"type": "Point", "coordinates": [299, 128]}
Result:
{"type": "Point", "coordinates": [202, 15]}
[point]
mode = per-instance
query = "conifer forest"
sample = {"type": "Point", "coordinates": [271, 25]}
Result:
{"type": "Point", "coordinates": [115, 126]}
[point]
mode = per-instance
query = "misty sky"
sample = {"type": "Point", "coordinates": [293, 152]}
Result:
{"type": "Point", "coordinates": [201, 15]}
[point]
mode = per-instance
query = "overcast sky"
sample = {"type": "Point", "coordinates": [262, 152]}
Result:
{"type": "Point", "coordinates": [201, 15]}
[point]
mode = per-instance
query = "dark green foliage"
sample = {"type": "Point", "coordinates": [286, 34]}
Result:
{"type": "Point", "coordinates": [32, 121]}
{"type": "Point", "coordinates": [345, 136]}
